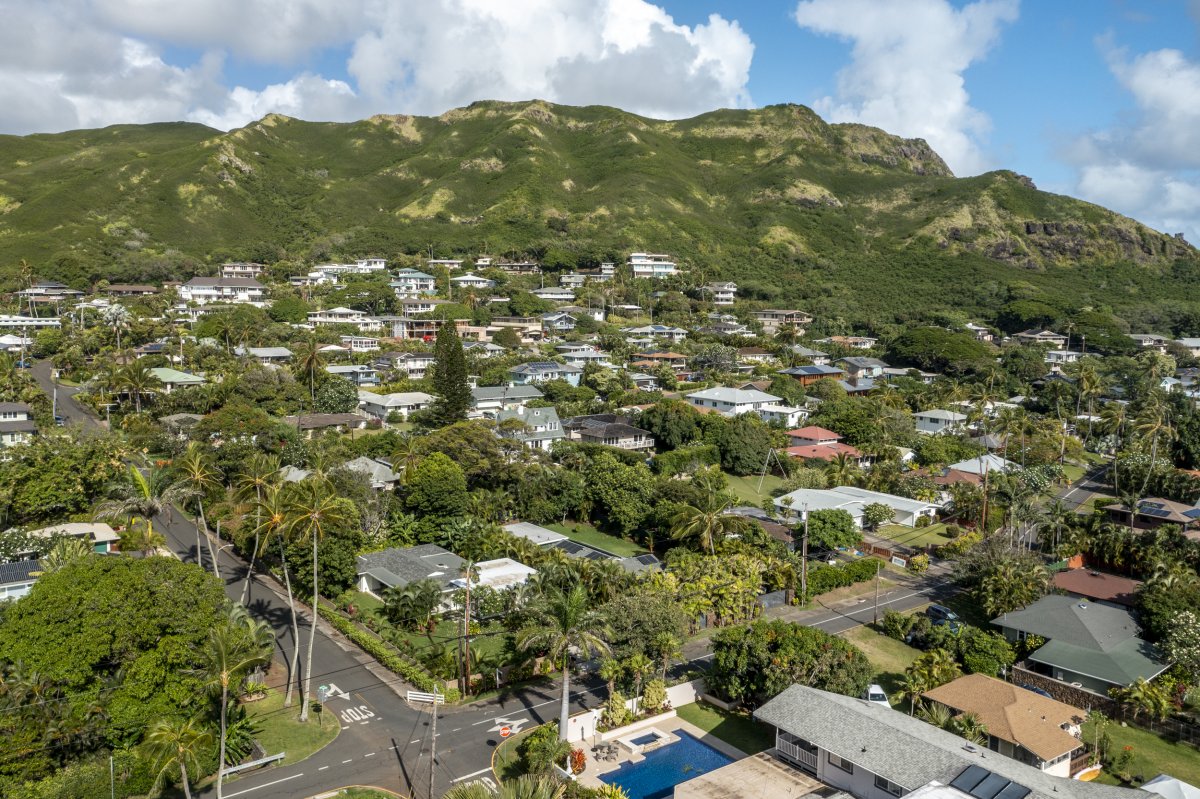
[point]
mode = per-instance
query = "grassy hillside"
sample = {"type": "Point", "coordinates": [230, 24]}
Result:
{"type": "Point", "coordinates": [845, 218]}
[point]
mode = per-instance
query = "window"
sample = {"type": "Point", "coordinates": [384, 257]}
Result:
{"type": "Point", "coordinates": [887, 785]}
{"type": "Point", "coordinates": [842, 763]}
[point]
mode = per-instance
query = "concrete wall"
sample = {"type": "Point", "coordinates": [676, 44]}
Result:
{"type": "Point", "coordinates": [1063, 692]}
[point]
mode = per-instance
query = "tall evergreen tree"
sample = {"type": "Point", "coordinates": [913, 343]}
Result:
{"type": "Point", "coordinates": [450, 377]}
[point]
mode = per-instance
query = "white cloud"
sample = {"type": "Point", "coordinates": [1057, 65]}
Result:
{"type": "Point", "coordinates": [1148, 165]}
{"type": "Point", "coordinates": [906, 72]}
{"type": "Point", "coordinates": [74, 63]}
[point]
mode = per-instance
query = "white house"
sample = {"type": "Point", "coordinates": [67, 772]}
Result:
{"type": "Point", "coordinates": [343, 316]}
{"type": "Point", "coordinates": [100, 536]}
{"type": "Point", "coordinates": [472, 281]}
{"type": "Point", "coordinates": [19, 322]}
{"type": "Point", "coordinates": [360, 343]}
{"type": "Point", "coordinates": [720, 293]}
{"type": "Point", "coordinates": [672, 334]}
{"type": "Point", "coordinates": [412, 284]}
{"type": "Point", "coordinates": [582, 357]}
{"type": "Point", "coordinates": [1057, 359]}
{"type": "Point", "coordinates": [16, 423]}
{"type": "Point", "coordinates": [380, 406]}
{"type": "Point", "coordinates": [448, 263]}
{"type": "Point", "coordinates": [555, 294]}
{"type": "Point", "coordinates": [774, 319]}
{"type": "Point", "coordinates": [652, 265]}
{"type": "Point", "coordinates": [543, 372]}
{"type": "Point", "coordinates": [938, 420]}
{"type": "Point", "coordinates": [413, 365]}
{"type": "Point", "coordinates": [238, 290]}
{"type": "Point", "coordinates": [731, 401]}
{"type": "Point", "coordinates": [241, 269]}
{"type": "Point", "coordinates": [854, 501]}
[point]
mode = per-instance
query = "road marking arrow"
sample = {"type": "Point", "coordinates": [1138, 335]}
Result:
{"type": "Point", "coordinates": [502, 722]}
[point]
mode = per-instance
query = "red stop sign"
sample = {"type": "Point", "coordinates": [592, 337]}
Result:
{"type": "Point", "coordinates": [505, 732]}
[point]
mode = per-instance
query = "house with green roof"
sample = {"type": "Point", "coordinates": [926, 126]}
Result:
{"type": "Point", "coordinates": [1088, 645]}
{"type": "Point", "coordinates": [172, 379]}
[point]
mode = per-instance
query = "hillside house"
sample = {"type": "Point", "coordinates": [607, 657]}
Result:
{"type": "Point", "coordinates": [1046, 338]}
{"type": "Point", "coordinates": [609, 429]}
{"type": "Point", "coordinates": [343, 316]}
{"type": "Point", "coordinates": [543, 372]}
{"type": "Point", "coordinates": [360, 343]}
{"type": "Point", "coordinates": [242, 269]}
{"type": "Point", "coordinates": [413, 284]}
{"type": "Point", "coordinates": [731, 401]}
{"type": "Point", "coordinates": [775, 319]}
{"type": "Point", "coordinates": [558, 322]}
{"type": "Point", "coordinates": [413, 365]}
{"type": "Point", "coordinates": [472, 281]}
{"type": "Point", "coordinates": [807, 375]}
{"type": "Point", "coordinates": [555, 294]}
{"type": "Point", "coordinates": [172, 379]}
{"type": "Point", "coordinates": [357, 373]}
{"type": "Point", "coordinates": [979, 332]}
{"type": "Point", "coordinates": [487, 401]}
{"type": "Point", "coordinates": [652, 266]}
{"type": "Point", "coordinates": [720, 294]}
{"type": "Point", "coordinates": [817, 443]}
{"type": "Point", "coordinates": [381, 406]}
{"type": "Point", "coordinates": [665, 332]}
{"type": "Point", "coordinates": [851, 342]}
{"type": "Point", "coordinates": [236, 290]}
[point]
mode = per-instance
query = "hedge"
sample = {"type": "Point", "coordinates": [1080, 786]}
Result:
{"type": "Point", "coordinates": [383, 653]}
{"type": "Point", "coordinates": [823, 577]}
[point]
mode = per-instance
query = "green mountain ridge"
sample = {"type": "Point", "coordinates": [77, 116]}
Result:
{"type": "Point", "coordinates": [846, 218]}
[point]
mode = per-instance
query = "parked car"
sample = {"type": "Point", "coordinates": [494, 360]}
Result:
{"type": "Point", "coordinates": [877, 696]}
{"type": "Point", "coordinates": [940, 614]}
{"type": "Point", "coordinates": [60, 421]}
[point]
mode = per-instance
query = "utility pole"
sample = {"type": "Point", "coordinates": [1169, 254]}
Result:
{"type": "Point", "coordinates": [804, 557]}
{"type": "Point", "coordinates": [878, 564]}
{"type": "Point", "coordinates": [433, 743]}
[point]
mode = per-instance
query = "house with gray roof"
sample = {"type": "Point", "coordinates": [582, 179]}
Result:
{"type": "Point", "coordinates": [854, 500]}
{"type": "Point", "coordinates": [379, 473]}
{"type": "Point", "coordinates": [874, 752]}
{"type": "Point", "coordinates": [17, 578]}
{"type": "Point", "coordinates": [396, 567]}
{"type": "Point", "coordinates": [487, 401]}
{"type": "Point", "coordinates": [16, 423]}
{"type": "Point", "coordinates": [265, 355]}
{"type": "Point", "coordinates": [357, 373]}
{"type": "Point", "coordinates": [544, 371]}
{"type": "Point", "coordinates": [1089, 645]}
{"type": "Point", "coordinates": [541, 426]}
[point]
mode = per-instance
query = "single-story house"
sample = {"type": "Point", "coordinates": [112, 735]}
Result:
{"type": "Point", "coordinates": [100, 535]}
{"type": "Point", "coordinates": [874, 752]}
{"type": "Point", "coordinates": [544, 371]}
{"type": "Point", "coordinates": [939, 420]}
{"type": "Point", "coordinates": [1041, 337]}
{"type": "Point", "coordinates": [549, 539]}
{"type": "Point", "coordinates": [310, 423]}
{"type": "Point", "coordinates": [498, 574]}
{"type": "Point", "coordinates": [172, 379]}
{"type": "Point", "coordinates": [1088, 644]}
{"type": "Point", "coordinates": [989, 464]}
{"type": "Point", "coordinates": [397, 567]}
{"type": "Point", "coordinates": [672, 334]}
{"type": "Point", "coordinates": [854, 501]}
{"type": "Point", "coordinates": [17, 578]}
{"type": "Point", "coordinates": [266, 354]}
{"type": "Point", "coordinates": [1034, 729]}
{"type": "Point", "coordinates": [811, 373]}
{"type": "Point", "coordinates": [731, 401]}
{"type": "Point", "coordinates": [490, 400]}
{"type": "Point", "coordinates": [1110, 589]}
{"type": "Point", "coordinates": [380, 406]}
{"type": "Point", "coordinates": [817, 443]}
{"type": "Point", "coordinates": [1154, 512]}
{"type": "Point", "coordinates": [378, 472]}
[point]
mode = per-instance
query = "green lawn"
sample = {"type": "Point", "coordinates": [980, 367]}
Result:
{"type": "Point", "coordinates": [587, 534]}
{"type": "Point", "coordinates": [280, 731]}
{"type": "Point", "coordinates": [505, 762]}
{"type": "Point", "coordinates": [746, 488]}
{"type": "Point", "coordinates": [1152, 755]}
{"type": "Point", "coordinates": [1073, 471]}
{"type": "Point", "coordinates": [889, 656]}
{"type": "Point", "coordinates": [913, 537]}
{"type": "Point", "coordinates": [735, 729]}
{"type": "Point", "coordinates": [446, 631]}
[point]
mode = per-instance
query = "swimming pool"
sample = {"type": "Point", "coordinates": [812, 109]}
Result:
{"type": "Point", "coordinates": [665, 767]}
{"type": "Point", "coordinates": [642, 740]}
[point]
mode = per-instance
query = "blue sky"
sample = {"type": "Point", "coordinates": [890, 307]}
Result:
{"type": "Point", "coordinates": [1097, 98]}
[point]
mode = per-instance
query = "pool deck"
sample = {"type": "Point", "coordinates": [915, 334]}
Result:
{"type": "Point", "coordinates": [595, 768]}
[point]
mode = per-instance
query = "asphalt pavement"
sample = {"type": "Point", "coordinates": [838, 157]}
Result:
{"type": "Point", "coordinates": [66, 406]}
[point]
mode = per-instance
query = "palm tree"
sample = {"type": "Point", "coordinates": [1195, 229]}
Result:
{"type": "Point", "coordinates": [610, 671]}
{"type": "Point", "coordinates": [565, 622]}
{"type": "Point", "coordinates": [260, 472]}
{"type": "Point", "coordinates": [149, 493]}
{"type": "Point", "coordinates": [638, 666]}
{"type": "Point", "coordinates": [410, 606]}
{"type": "Point", "coordinates": [198, 474]}
{"type": "Point", "coordinates": [1144, 696]}
{"type": "Point", "coordinates": [708, 523]}
{"type": "Point", "coordinates": [666, 646]}
{"type": "Point", "coordinates": [235, 646]}
{"type": "Point", "coordinates": [308, 358]}
{"type": "Point", "coordinates": [172, 743]}
{"type": "Point", "coordinates": [63, 552]}
{"type": "Point", "coordinates": [1154, 422]}
{"type": "Point", "coordinates": [136, 381]}
{"type": "Point", "coordinates": [524, 787]}
{"type": "Point", "coordinates": [1113, 418]}
{"type": "Point", "coordinates": [116, 317]}
{"type": "Point", "coordinates": [970, 727]}
{"type": "Point", "coordinates": [842, 470]}
{"type": "Point", "coordinates": [312, 510]}
{"type": "Point", "coordinates": [273, 512]}
{"type": "Point", "coordinates": [141, 538]}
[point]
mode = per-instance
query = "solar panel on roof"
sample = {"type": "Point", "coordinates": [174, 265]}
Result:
{"type": "Point", "coordinates": [983, 784]}
{"type": "Point", "coordinates": [1158, 513]}
{"type": "Point", "coordinates": [1015, 790]}
{"type": "Point", "coordinates": [647, 560]}
{"type": "Point", "coordinates": [969, 778]}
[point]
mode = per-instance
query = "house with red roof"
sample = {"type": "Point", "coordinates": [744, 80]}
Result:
{"type": "Point", "coordinates": [817, 443]}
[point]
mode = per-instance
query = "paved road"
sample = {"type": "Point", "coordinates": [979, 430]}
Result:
{"type": "Point", "coordinates": [73, 412]}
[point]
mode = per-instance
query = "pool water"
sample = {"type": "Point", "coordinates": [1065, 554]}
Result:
{"type": "Point", "coordinates": [664, 768]}
{"type": "Point", "coordinates": [642, 740]}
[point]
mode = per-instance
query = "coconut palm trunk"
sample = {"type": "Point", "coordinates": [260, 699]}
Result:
{"type": "Point", "coordinates": [312, 637]}
{"type": "Point", "coordinates": [287, 583]}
